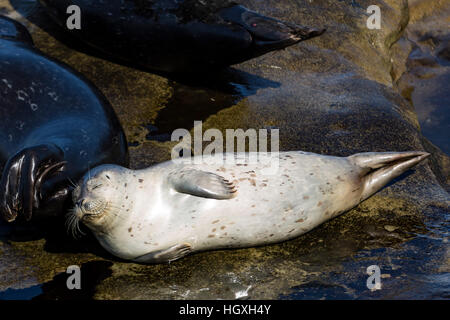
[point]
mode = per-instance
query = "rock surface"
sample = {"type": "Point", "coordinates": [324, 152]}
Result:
{"type": "Point", "coordinates": [341, 93]}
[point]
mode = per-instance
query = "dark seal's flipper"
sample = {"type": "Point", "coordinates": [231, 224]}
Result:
{"type": "Point", "coordinates": [178, 35]}
{"type": "Point", "coordinates": [201, 184]}
{"type": "Point", "coordinates": [55, 125]}
{"type": "Point", "coordinates": [268, 34]}
{"type": "Point", "coordinates": [22, 179]}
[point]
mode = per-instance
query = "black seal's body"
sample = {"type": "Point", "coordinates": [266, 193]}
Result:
{"type": "Point", "coordinates": [178, 35]}
{"type": "Point", "coordinates": [54, 126]}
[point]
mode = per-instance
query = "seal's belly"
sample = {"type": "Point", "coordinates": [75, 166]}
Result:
{"type": "Point", "coordinates": [267, 208]}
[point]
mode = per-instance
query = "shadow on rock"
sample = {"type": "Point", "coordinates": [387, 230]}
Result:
{"type": "Point", "coordinates": [226, 89]}
{"type": "Point", "coordinates": [57, 240]}
{"type": "Point", "coordinates": [91, 274]}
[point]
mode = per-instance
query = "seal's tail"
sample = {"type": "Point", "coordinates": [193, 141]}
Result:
{"type": "Point", "coordinates": [378, 169]}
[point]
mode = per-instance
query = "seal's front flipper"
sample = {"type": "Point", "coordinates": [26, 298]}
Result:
{"type": "Point", "coordinates": [22, 178]}
{"type": "Point", "coordinates": [202, 184]}
{"type": "Point", "coordinates": [173, 253]}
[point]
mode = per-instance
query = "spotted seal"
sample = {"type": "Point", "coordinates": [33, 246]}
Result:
{"type": "Point", "coordinates": [164, 212]}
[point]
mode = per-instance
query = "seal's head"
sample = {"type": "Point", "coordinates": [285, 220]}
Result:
{"type": "Point", "coordinates": [94, 199]}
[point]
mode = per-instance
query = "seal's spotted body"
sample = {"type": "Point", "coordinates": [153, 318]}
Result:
{"type": "Point", "coordinates": [167, 211]}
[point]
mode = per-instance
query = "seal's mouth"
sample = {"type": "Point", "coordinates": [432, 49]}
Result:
{"type": "Point", "coordinates": [88, 212]}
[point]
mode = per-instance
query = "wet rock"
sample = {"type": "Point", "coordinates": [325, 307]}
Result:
{"type": "Point", "coordinates": [336, 94]}
{"type": "Point", "coordinates": [423, 50]}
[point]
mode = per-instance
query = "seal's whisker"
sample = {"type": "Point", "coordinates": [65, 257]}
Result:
{"type": "Point", "coordinates": [73, 224]}
{"type": "Point", "coordinates": [113, 213]}
{"type": "Point", "coordinates": [89, 172]}
{"type": "Point", "coordinates": [114, 208]}
{"type": "Point", "coordinates": [72, 183]}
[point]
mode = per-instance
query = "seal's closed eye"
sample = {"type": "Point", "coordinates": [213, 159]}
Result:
{"type": "Point", "coordinates": [97, 186]}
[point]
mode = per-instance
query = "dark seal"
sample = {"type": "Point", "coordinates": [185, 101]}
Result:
{"type": "Point", "coordinates": [55, 126]}
{"type": "Point", "coordinates": [178, 35]}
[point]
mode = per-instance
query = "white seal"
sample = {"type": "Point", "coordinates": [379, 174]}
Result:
{"type": "Point", "coordinates": [162, 213]}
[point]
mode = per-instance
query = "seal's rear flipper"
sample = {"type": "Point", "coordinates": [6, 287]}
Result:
{"type": "Point", "coordinates": [173, 253]}
{"type": "Point", "coordinates": [13, 30]}
{"type": "Point", "coordinates": [378, 169]}
{"type": "Point", "coordinates": [201, 184]}
{"type": "Point", "coordinates": [268, 34]}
